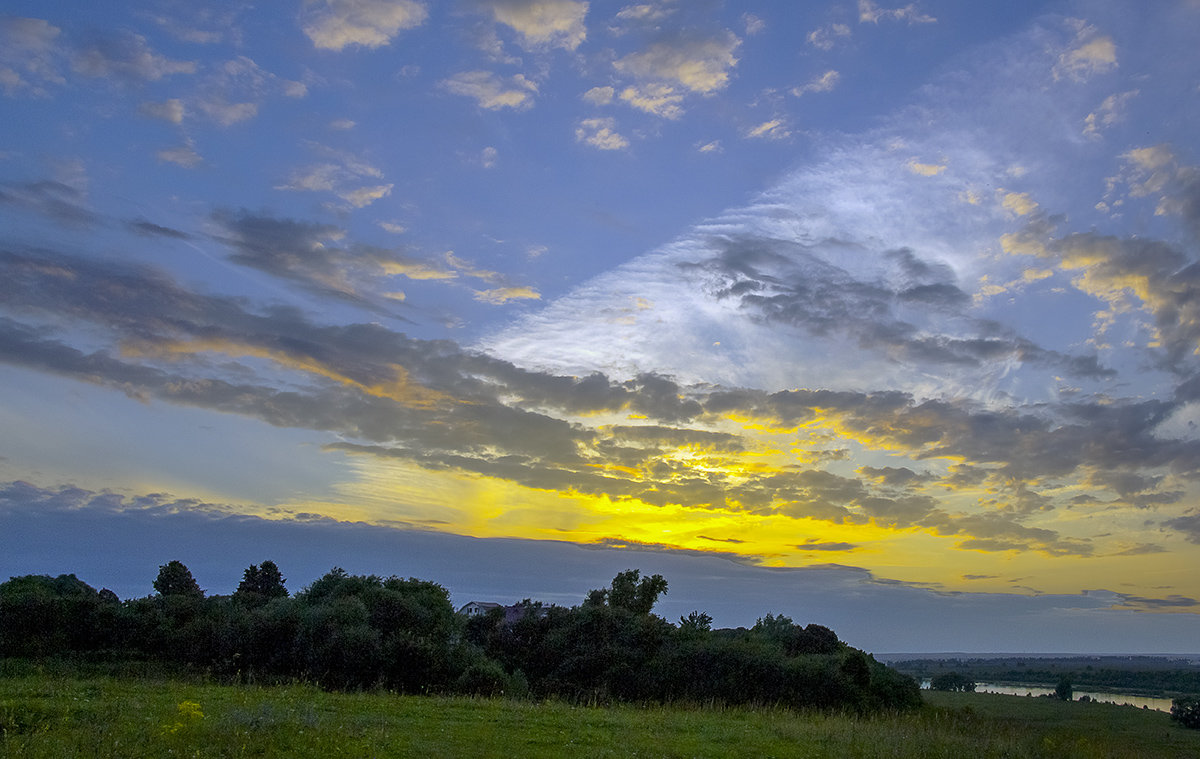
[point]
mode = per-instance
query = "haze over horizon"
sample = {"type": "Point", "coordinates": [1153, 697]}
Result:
{"type": "Point", "coordinates": [883, 317]}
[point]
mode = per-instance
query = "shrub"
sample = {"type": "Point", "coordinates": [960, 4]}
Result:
{"type": "Point", "coordinates": [1186, 711]}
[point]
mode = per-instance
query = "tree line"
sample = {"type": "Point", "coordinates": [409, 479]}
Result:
{"type": "Point", "coordinates": [364, 631]}
{"type": "Point", "coordinates": [1150, 676]}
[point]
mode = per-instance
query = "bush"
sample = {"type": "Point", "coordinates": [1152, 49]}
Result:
{"type": "Point", "coordinates": [1186, 711]}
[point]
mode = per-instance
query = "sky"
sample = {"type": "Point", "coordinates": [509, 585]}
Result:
{"type": "Point", "coordinates": [880, 316]}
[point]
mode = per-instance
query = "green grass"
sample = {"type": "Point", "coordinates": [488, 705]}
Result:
{"type": "Point", "coordinates": [63, 715]}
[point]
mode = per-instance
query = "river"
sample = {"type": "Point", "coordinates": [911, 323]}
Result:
{"type": "Point", "coordinates": [1159, 704]}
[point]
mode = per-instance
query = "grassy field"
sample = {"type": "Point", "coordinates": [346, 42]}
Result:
{"type": "Point", "coordinates": [65, 715]}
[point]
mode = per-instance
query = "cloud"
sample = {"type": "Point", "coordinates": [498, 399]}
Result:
{"type": "Point", "coordinates": [227, 114]}
{"type": "Point", "coordinates": [543, 23]}
{"type": "Point", "coordinates": [488, 156]}
{"type": "Point", "coordinates": [126, 57]}
{"type": "Point", "coordinates": [234, 90]}
{"type": "Point", "coordinates": [1188, 524]}
{"type": "Point", "coordinates": [169, 110]}
{"type": "Point", "coordinates": [335, 24]}
{"type": "Point", "coordinates": [492, 91]}
{"type": "Point", "coordinates": [182, 155]}
{"type": "Point", "coordinates": [1110, 112]}
{"type": "Point", "coordinates": [700, 65]}
{"type": "Point", "coordinates": [754, 24]}
{"type": "Point", "coordinates": [441, 408]}
{"type": "Point", "coordinates": [28, 48]}
{"type": "Point", "coordinates": [1020, 203]}
{"type": "Point", "coordinates": [601, 134]}
{"type": "Point", "coordinates": [826, 37]}
{"type": "Point", "coordinates": [55, 200]}
{"type": "Point", "coordinates": [647, 13]}
{"type": "Point", "coordinates": [658, 99]}
{"type": "Point", "coordinates": [1141, 274]}
{"type": "Point", "coordinates": [1090, 53]}
{"type": "Point", "coordinates": [824, 83]}
{"type": "Point", "coordinates": [308, 255]}
{"type": "Point", "coordinates": [869, 12]}
{"type": "Point", "coordinates": [817, 545]}
{"type": "Point", "coordinates": [1140, 603]}
{"type": "Point", "coordinates": [502, 295]}
{"type": "Point", "coordinates": [924, 169]}
{"type": "Point", "coordinates": [345, 175]}
{"type": "Point", "coordinates": [775, 129]}
{"type": "Point", "coordinates": [150, 229]}
{"type": "Point", "coordinates": [599, 95]}
{"type": "Point", "coordinates": [360, 197]}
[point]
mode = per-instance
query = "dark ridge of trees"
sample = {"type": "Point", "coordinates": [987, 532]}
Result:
{"type": "Point", "coordinates": [1132, 674]}
{"type": "Point", "coordinates": [352, 631]}
{"type": "Point", "coordinates": [952, 681]}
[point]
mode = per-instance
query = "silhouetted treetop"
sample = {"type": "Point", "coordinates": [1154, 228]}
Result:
{"type": "Point", "coordinates": [175, 579]}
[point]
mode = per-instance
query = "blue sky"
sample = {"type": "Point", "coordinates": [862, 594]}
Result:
{"type": "Point", "coordinates": [819, 309]}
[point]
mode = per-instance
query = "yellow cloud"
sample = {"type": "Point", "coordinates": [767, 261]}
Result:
{"type": "Point", "coordinates": [416, 270]}
{"type": "Point", "coordinates": [775, 129]}
{"type": "Point", "coordinates": [1019, 203]}
{"type": "Point", "coordinates": [701, 65]}
{"type": "Point", "coordinates": [502, 295]}
{"type": "Point", "coordinates": [658, 99]}
{"type": "Point", "coordinates": [924, 169]}
{"type": "Point", "coordinates": [400, 389]}
{"type": "Point", "coordinates": [1090, 55]}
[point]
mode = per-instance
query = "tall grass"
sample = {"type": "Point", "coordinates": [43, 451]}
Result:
{"type": "Point", "coordinates": [58, 714]}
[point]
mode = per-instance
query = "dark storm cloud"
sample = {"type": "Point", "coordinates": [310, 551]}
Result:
{"type": "Point", "coordinates": [817, 545]}
{"type": "Point", "coordinates": [1188, 524]}
{"type": "Point", "coordinates": [914, 314]}
{"type": "Point", "coordinates": [1157, 604]}
{"type": "Point", "coordinates": [1167, 282]}
{"type": "Point", "coordinates": [55, 200]}
{"type": "Point", "coordinates": [150, 229]}
{"type": "Point", "coordinates": [302, 253]}
{"type": "Point", "coordinates": [1009, 448]}
{"type": "Point", "coordinates": [892, 475]}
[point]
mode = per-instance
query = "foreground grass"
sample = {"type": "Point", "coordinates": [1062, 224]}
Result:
{"type": "Point", "coordinates": [57, 715]}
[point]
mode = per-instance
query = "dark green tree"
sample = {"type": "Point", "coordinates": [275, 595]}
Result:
{"type": "Point", "coordinates": [695, 623]}
{"type": "Point", "coordinates": [261, 583]}
{"type": "Point", "coordinates": [42, 615]}
{"type": "Point", "coordinates": [175, 579]}
{"type": "Point", "coordinates": [630, 591]}
{"type": "Point", "coordinates": [1064, 691]}
{"type": "Point", "coordinates": [1186, 711]}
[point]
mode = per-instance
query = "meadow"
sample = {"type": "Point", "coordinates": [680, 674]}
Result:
{"type": "Point", "coordinates": [54, 712]}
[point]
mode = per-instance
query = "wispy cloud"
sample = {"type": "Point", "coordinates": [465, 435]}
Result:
{"type": "Point", "coordinates": [28, 52]}
{"type": "Point", "coordinates": [491, 91]}
{"type": "Point", "coordinates": [869, 12]}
